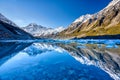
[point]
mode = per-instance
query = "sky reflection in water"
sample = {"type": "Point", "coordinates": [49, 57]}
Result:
{"type": "Point", "coordinates": [59, 61]}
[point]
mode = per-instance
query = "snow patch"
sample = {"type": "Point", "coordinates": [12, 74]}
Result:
{"type": "Point", "coordinates": [83, 18]}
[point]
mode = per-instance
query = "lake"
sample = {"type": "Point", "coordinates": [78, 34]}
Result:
{"type": "Point", "coordinates": [60, 60]}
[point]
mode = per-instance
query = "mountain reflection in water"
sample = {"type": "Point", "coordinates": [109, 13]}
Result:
{"type": "Point", "coordinates": [103, 56]}
{"type": "Point", "coordinates": [59, 61]}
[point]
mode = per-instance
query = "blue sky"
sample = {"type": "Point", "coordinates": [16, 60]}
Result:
{"type": "Point", "coordinates": [49, 13]}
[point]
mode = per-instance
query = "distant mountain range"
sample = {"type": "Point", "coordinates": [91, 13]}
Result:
{"type": "Point", "coordinates": [41, 31]}
{"type": "Point", "coordinates": [10, 31]}
{"type": "Point", "coordinates": [104, 22]}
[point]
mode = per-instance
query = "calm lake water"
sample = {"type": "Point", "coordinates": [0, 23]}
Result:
{"type": "Point", "coordinates": [60, 60]}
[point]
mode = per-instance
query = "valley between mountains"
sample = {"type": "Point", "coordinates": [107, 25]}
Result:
{"type": "Point", "coordinates": [104, 24]}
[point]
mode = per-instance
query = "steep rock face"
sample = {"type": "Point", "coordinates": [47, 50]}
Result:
{"type": "Point", "coordinates": [9, 30]}
{"type": "Point", "coordinates": [82, 19]}
{"type": "Point", "coordinates": [105, 22]}
{"type": "Point", "coordinates": [40, 31]}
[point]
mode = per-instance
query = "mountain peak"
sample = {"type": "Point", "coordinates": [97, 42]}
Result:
{"type": "Point", "coordinates": [115, 0]}
{"type": "Point", "coordinates": [86, 17]}
{"type": "Point", "coordinates": [112, 3]}
{"type": "Point", "coordinates": [104, 22]}
{"type": "Point", "coordinates": [32, 24]}
{"type": "Point", "coordinates": [10, 30]}
{"type": "Point", "coordinates": [40, 31]}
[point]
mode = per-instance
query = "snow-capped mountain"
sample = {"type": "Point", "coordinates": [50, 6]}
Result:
{"type": "Point", "coordinates": [40, 31]}
{"type": "Point", "coordinates": [83, 18]}
{"type": "Point", "coordinates": [9, 30]}
{"type": "Point", "coordinates": [86, 17]}
{"type": "Point", "coordinates": [104, 22]}
{"type": "Point", "coordinates": [113, 3]}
